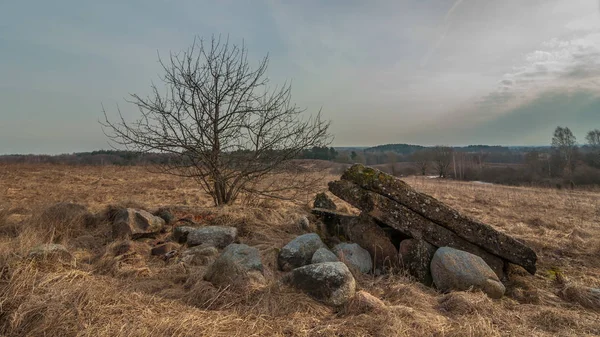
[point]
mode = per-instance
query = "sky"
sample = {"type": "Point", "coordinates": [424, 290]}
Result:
{"type": "Point", "coordinates": [429, 72]}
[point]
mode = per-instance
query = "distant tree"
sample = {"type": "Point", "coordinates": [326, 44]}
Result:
{"type": "Point", "coordinates": [332, 153]}
{"type": "Point", "coordinates": [422, 160]}
{"type": "Point", "coordinates": [593, 141]}
{"type": "Point", "coordinates": [392, 159]}
{"type": "Point", "coordinates": [442, 158]}
{"type": "Point", "coordinates": [226, 128]}
{"type": "Point", "coordinates": [593, 138]}
{"type": "Point", "coordinates": [353, 155]}
{"type": "Point", "coordinates": [480, 158]}
{"type": "Point", "coordinates": [565, 144]}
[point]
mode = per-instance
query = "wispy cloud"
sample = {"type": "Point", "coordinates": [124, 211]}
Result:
{"type": "Point", "coordinates": [444, 26]}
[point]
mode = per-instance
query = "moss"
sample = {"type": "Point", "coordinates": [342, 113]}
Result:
{"type": "Point", "coordinates": [367, 176]}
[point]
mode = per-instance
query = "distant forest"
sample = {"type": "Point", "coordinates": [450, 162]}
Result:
{"type": "Point", "coordinates": [563, 163]}
{"type": "Point", "coordinates": [381, 154]}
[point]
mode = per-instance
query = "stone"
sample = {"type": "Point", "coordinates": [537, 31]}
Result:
{"type": "Point", "coordinates": [51, 252]}
{"type": "Point", "coordinates": [135, 224]}
{"type": "Point", "coordinates": [453, 269]}
{"type": "Point", "coordinates": [180, 233]}
{"type": "Point", "coordinates": [415, 256]}
{"type": "Point", "coordinates": [323, 201]}
{"type": "Point", "coordinates": [329, 282]}
{"type": "Point", "coordinates": [324, 255]}
{"type": "Point", "coordinates": [410, 223]}
{"type": "Point", "coordinates": [237, 266]}
{"type": "Point", "coordinates": [217, 236]}
{"type": "Point", "coordinates": [354, 256]}
{"type": "Point", "coordinates": [199, 255]}
{"type": "Point", "coordinates": [469, 229]}
{"type": "Point", "coordinates": [165, 214]}
{"type": "Point", "coordinates": [299, 252]}
{"type": "Point", "coordinates": [364, 231]}
{"type": "Point", "coordinates": [164, 248]}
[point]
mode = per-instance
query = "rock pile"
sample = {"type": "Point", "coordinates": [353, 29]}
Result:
{"type": "Point", "coordinates": [395, 215]}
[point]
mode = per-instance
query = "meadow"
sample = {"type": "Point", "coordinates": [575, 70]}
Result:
{"type": "Point", "coordinates": [135, 294]}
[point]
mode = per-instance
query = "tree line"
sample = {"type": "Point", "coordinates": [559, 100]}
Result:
{"type": "Point", "coordinates": [563, 162]}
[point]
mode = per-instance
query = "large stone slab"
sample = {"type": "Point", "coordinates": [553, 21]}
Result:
{"type": "Point", "coordinates": [408, 222]}
{"type": "Point", "coordinates": [465, 227]}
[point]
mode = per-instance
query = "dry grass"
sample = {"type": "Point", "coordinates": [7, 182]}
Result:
{"type": "Point", "coordinates": [117, 289]}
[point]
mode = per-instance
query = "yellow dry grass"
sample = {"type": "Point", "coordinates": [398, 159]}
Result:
{"type": "Point", "coordinates": [117, 289]}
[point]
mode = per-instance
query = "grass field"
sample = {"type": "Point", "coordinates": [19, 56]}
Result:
{"type": "Point", "coordinates": [140, 295]}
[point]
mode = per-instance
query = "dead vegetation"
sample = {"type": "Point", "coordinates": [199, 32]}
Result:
{"type": "Point", "coordinates": [118, 289]}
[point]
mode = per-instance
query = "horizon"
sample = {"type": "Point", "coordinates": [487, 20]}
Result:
{"type": "Point", "coordinates": [418, 72]}
{"type": "Point", "coordinates": [331, 146]}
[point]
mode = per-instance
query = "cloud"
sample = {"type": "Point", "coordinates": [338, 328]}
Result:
{"type": "Point", "coordinates": [561, 63]}
{"type": "Point", "coordinates": [533, 122]}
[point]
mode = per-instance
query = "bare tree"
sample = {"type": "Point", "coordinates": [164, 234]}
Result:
{"type": "Point", "coordinates": [226, 128]}
{"type": "Point", "coordinates": [442, 158]}
{"type": "Point", "coordinates": [480, 158]}
{"type": "Point", "coordinates": [593, 141]}
{"type": "Point", "coordinates": [422, 160]}
{"type": "Point", "coordinates": [565, 143]}
{"type": "Point", "coordinates": [593, 138]}
{"type": "Point", "coordinates": [392, 159]}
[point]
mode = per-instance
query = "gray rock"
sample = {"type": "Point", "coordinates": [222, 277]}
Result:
{"type": "Point", "coordinates": [51, 252]}
{"type": "Point", "coordinates": [415, 256]}
{"type": "Point", "coordinates": [365, 232]}
{"type": "Point", "coordinates": [324, 255]}
{"type": "Point", "coordinates": [323, 201]}
{"type": "Point", "coordinates": [199, 255]}
{"type": "Point", "coordinates": [132, 223]}
{"type": "Point", "coordinates": [355, 256]}
{"type": "Point", "coordinates": [165, 214]}
{"type": "Point", "coordinates": [238, 265]}
{"type": "Point", "coordinates": [180, 233]}
{"type": "Point", "coordinates": [454, 269]}
{"type": "Point", "coordinates": [299, 252]}
{"type": "Point", "coordinates": [216, 236]}
{"type": "Point", "coordinates": [330, 282]}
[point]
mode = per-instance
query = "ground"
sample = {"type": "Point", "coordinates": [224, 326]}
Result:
{"type": "Point", "coordinates": [102, 295]}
